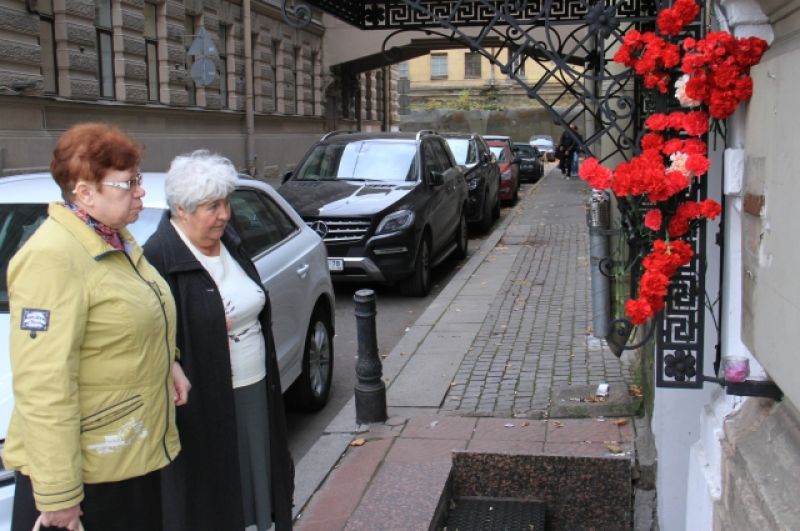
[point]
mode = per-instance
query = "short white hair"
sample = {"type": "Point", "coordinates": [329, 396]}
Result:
{"type": "Point", "coordinates": [198, 177]}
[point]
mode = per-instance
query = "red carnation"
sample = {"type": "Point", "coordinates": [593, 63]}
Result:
{"type": "Point", "coordinates": [638, 311]}
{"type": "Point", "coordinates": [697, 164]}
{"type": "Point", "coordinates": [652, 220]}
{"type": "Point", "coordinates": [710, 209]}
{"type": "Point", "coordinates": [657, 122]}
{"type": "Point", "coordinates": [652, 141]}
{"type": "Point", "coordinates": [696, 123]}
{"type": "Point", "coordinates": [672, 145]}
{"type": "Point", "coordinates": [594, 173]}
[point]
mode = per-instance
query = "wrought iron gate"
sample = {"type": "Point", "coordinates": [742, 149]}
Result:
{"type": "Point", "coordinates": [573, 42]}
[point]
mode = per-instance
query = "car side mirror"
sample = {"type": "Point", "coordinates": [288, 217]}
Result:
{"type": "Point", "coordinates": [436, 178]}
{"type": "Point", "coordinates": [286, 176]}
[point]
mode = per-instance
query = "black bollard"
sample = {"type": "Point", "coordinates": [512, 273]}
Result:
{"type": "Point", "coordinates": [370, 390]}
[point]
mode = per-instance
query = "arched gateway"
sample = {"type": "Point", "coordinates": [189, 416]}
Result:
{"type": "Point", "coordinates": [573, 41]}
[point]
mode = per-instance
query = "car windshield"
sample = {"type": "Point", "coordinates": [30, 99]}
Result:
{"type": "Point", "coordinates": [525, 151]}
{"type": "Point", "coordinates": [463, 150]}
{"type": "Point", "coordinates": [499, 152]}
{"type": "Point", "coordinates": [17, 223]}
{"type": "Point", "coordinates": [364, 160]}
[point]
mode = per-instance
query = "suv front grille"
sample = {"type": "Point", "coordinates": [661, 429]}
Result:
{"type": "Point", "coordinates": [342, 230]}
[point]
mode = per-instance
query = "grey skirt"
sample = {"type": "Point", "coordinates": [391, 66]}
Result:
{"type": "Point", "coordinates": [252, 426]}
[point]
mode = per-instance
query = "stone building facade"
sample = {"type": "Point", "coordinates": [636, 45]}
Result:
{"type": "Point", "coordinates": [126, 62]}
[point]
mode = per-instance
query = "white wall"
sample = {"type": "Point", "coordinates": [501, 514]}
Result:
{"type": "Point", "coordinates": [690, 456]}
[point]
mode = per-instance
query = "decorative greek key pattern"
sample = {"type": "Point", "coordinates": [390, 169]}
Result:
{"type": "Point", "coordinates": [416, 14]}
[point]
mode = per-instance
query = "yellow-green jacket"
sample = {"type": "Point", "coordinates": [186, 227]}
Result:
{"type": "Point", "coordinates": [92, 346]}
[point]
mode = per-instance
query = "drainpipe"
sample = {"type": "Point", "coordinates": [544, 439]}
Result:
{"type": "Point", "coordinates": [249, 111]}
{"type": "Point", "coordinates": [387, 98]}
{"type": "Point", "coordinates": [597, 214]}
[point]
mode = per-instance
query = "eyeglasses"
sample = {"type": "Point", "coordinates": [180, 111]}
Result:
{"type": "Point", "coordinates": [125, 185]}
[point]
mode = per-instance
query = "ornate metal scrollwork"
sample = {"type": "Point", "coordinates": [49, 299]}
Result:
{"type": "Point", "coordinates": [571, 42]}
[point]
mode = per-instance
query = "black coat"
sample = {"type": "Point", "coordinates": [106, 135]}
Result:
{"type": "Point", "coordinates": [201, 489]}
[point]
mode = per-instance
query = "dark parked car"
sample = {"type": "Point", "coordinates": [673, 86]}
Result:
{"type": "Point", "coordinates": [509, 166]}
{"type": "Point", "coordinates": [545, 145]}
{"type": "Point", "coordinates": [483, 177]}
{"type": "Point", "coordinates": [530, 166]}
{"type": "Point", "coordinates": [389, 206]}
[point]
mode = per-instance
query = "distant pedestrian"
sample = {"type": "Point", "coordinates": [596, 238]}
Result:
{"type": "Point", "coordinates": [235, 469]}
{"type": "Point", "coordinates": [92, 350]}
{"type": "Point", "coordinates": [569, 147]}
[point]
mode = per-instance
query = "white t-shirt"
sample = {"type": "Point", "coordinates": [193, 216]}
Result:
{"type": "Point", "coordinates": [243, 300]}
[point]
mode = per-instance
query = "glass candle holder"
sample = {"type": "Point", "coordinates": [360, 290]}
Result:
{"type": "Point", "coordinates": [736, 369]}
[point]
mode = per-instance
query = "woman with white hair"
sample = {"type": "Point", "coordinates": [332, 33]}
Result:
{"type": "Point", "coordinates": [235, 469]}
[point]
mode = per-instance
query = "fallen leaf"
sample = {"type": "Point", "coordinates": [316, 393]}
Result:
{"type": "Point", "coordinates": [635, 390]}
{"type": "Point", "coordinates": [558, 424]}
{"type": "Point", "coordinates": [358, 442]}
{"type": "Point", "coordinates": [620, 422]}
{"type": "Point", "coordinates": [614, 449]}
{"type": "Point", "coordinates": [525, 424]}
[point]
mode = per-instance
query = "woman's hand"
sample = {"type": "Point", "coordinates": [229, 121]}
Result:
{"type": "Point", "coordinates": [68, 518]}
{"type": "Point", "coordinates": [181, 383]}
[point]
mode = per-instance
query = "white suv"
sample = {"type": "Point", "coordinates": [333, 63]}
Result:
{"type": "Point", "coordinates": [289, 256]}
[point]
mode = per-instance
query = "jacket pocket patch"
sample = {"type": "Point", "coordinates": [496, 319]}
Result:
{"type": "Point", "coordinates": [127, 434]}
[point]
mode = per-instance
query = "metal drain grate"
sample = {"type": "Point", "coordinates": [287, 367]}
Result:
{"type": "Point", "coordinates": [495, 514]}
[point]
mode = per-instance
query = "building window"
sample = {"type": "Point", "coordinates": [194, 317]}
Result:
{"type": "Point", "coordinates": [472, 65]}
{"type": "Point", "coordinates": [223, 66]}
{"type": "Point", "coordinates": [313, 83]}
{"type": "Point", "coordinates": [151, 51]}
{"type": "Point", "coordinates": [276, 45]}
{"type": "Point", "coordinates": [438, 66]}
{"type": "Point", "coordinates": [47, 42]}
{"type": "Point", "coordinates": [298, 75]}
{"type": "Point", "coordinates": [257, 82]}
{"type": "Point", "coordinates": [518, 66]}
{"type": "Point", "coordinates": [189, 29]}
{"type": "Point", "coordinates": [402, 70]}
{"type": "Point", "coordinates": [105, 48]}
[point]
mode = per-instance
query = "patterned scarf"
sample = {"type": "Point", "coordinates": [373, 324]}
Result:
{"type": "Point", "coordinates": [109, 235]}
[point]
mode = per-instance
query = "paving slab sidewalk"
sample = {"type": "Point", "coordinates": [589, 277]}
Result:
{"type": "Point", "coordinates": [509, 335]}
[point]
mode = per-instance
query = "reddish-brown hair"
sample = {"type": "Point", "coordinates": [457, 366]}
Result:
{"type": "Point", "coordinates": [87, 151]}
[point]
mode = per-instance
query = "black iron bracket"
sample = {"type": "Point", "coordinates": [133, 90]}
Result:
{"type": "Point", "coordinates": [755, 388]}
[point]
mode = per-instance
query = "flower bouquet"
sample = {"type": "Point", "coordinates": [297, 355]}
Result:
{"type": "Point", "coordinates": [713, 78]}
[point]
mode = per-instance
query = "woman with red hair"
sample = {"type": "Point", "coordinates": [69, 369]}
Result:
{"type": "Point", "coordinates": [92, 350]}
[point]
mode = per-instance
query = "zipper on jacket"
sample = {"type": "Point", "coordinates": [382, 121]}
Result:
{"type": "Point", "coordinates": [169, 354]}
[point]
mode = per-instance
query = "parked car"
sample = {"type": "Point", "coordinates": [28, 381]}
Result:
{"type": "Point", "coordinates": [509, 166]}
{"type": "Point", "coordinates": [289, 256]}
{"type": "Point", "coordinates": [545, 145]}
{"type": "Point", "coordinates": [530, 166]}
{"type": "Point", "coordinates": [389, 206]}
{"type": "Point", "coordinates": [483, 177]}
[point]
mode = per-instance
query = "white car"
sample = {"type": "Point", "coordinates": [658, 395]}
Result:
{"type": "Point", "coordinates": [290, 258]}
{"type": "Point", "coordinates": [545, 145]}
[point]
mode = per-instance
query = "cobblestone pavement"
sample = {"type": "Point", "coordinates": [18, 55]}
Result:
{"type": "Point", "coordinates": [536, 337]}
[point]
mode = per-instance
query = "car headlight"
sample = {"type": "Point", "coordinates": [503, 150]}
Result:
{"type": "Point", "coordinates": [473, 183]}
{"type": "Point", "coordinates": [396, 221]}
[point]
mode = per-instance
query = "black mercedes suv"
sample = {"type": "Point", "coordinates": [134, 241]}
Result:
{"type": "Point", "coordinates": [389, 206]}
